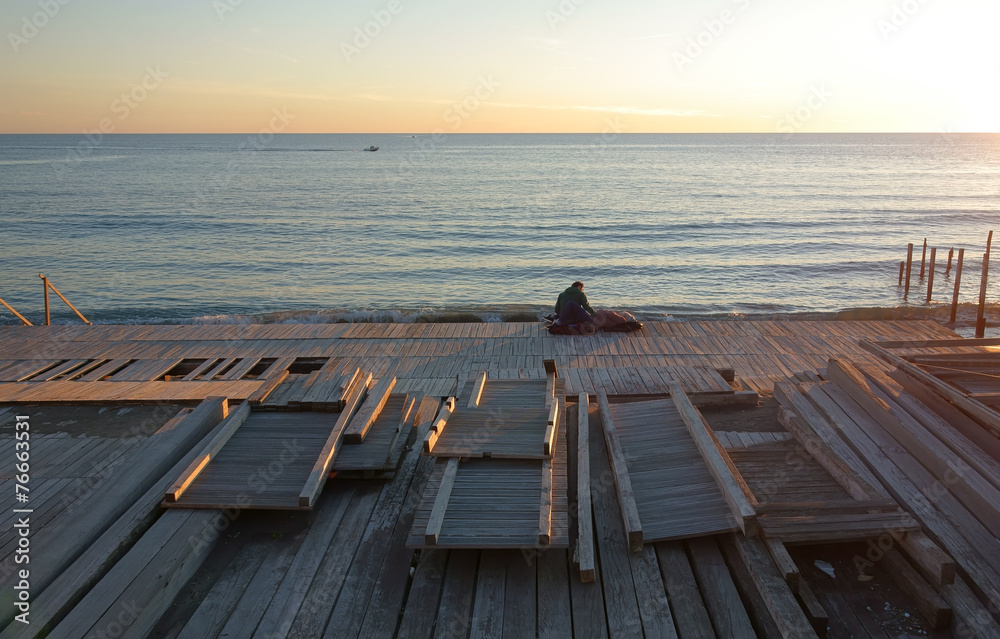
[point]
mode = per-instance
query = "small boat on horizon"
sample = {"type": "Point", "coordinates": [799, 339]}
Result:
{"type": "Point", "coordinates": [371, 148]}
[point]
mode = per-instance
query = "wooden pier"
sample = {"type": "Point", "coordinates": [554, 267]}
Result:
{"type": "Point", "coordinates": [363, 563]}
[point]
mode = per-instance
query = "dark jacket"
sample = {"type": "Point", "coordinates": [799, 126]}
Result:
{"type": "Point", "coordinates": [573, 294]}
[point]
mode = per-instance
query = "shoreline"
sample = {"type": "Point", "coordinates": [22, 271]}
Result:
{"type": "Point", "coordinates": [940, 313]}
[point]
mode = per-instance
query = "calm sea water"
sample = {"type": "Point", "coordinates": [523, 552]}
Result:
{"type": "Point", "coordinates": [311, 228]}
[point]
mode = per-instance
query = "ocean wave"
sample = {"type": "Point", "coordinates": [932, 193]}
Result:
{"type": "Point", "coordinates": [965, 319]}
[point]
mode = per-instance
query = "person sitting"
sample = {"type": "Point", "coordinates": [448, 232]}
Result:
{"type": "Point", "coordinates": [572, 307]}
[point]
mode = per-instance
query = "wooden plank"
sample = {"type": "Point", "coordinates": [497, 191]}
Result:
{"type": "Point", "coordinates": [784, 562]}
{"type": "Point", "coordinates": [734, 489]}
{"type": "Point", "coordinates": [441, 501]}
{"type": "Point", "coordinates": [359, 425]}
{"type": "Point", "coordinates": [288, 597]}
{"type": "Point", "coordinates": [935, 609]}
{"type": "Point", "coordinates": [985, 415]}
{"type": "Point", "coordinates": [584, 555]}
{"type": "Point", "coordinates": [438, 426]}
{"type": "Point", "coordinates": [554, 606]}
{"type": "Point", "coordinates": [420, 612]}
{"type": "Point", "coordinates": [689, 611]}
{"type": "Point", "coordinates": [550, 429]}
{"type": "Point", "coordinates": [216, 607]}
{"type": "Point", "coordinates": [520, 609]}
{"type": "Point", "coordinates": [545, 505]}
{"type": "Point", "coordinates": [321, 467]}
{"type": "Point", "coordinates": [477, 390]}
{"type": "Point", "coordinates": [778, 598]}
{"type": "Point", "coordinates": [718, 589]}
{"type": "Point", "coordinates": [944, 527]}
{"type": "Point", "coordinates": [455, 609]}
{"type": "Point", "coordinates": [980, 496]}
{"type": "Point", "coordinates": [619, 471]}
{"type": "Point", "coordinates": [231, 425]}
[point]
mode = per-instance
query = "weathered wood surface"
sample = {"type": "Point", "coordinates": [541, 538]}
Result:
{"type": "Point", "coordinates": [495, 503]}
{"type": "Point", "coordinates": [674, 492]}
{"type": "Point", "coordinates": [264, 464]}
{"type": "Point", "coordinates": [426, 357]}
{"type": "Point", "coordinates": [383, 445]}
{"type": "Point", "coordinates": [510, 420]}
{"type": "Point", "coordinates": [359, 585]}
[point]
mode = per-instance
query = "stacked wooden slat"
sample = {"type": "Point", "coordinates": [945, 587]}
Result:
{"type": "Point", "coordinates": [500, 480]}
{"type": "Point", "coordinates": [890, 445]}
{"type": "Point", "coordinates": [383, 443]}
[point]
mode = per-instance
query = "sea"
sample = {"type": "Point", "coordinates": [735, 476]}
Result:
{"type": "Point", "coordinates": [491, 227]}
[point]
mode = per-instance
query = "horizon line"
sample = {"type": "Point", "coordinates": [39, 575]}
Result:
{"type": "Point", "coordinates": [456, 133]}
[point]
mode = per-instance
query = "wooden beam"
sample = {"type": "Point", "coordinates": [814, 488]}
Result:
{"type": "Point", "coordinates": [814, 610]}
{"type": "Point", "coordinates": [728, 478]}
{"type": "Point", "coordinates": [935, 609]}
{"type": "Point", "coordinates": [233, 422]}
{"type": "Point", "coordinates": [437, 427]}
{"type": "Point", "coordinates": [275, 374]}
{"type": "Point", "coordinates": [980, 496]}
{"type": "Point", "coordinates": [985, 415]}
{"type": "Point", "coordinates": [810, 428]}
{"type": "Point", "coordinates": [477, 390]}
{"type": "Point", "coordinates": [545, 507]}
{"type": "Point", "coordinates": [585, 514]}
{"type": "Point", "coordinates": [362, 422]}
{"type": "Point", "coordinates": [619, 471]}
{"type": "Point", "coordinates": [935, 562]}
{"type": "Point", "coordinates": [436, 519]}
{"type": "Point", "coordinates": [321, 467]}
{"type": "Point", "coordinates": [786, 565]}
{"type": "Point", "coordinates": [551, 431]}
{"type": "Point", "coordinates": [779, 599]}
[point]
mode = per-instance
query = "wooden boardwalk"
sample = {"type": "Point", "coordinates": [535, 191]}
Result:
{"type": "Point", "coordinates": [41, 363]}
{"type": "Point", "coordinates": [344, 569]}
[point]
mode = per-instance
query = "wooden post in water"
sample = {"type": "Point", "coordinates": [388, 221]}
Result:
{"type": "Point", "coordinates": [923, 259]}
{"type": "Point", "coordinates": [930, 274]}
{"type": "Point", "coordinates": [951, 253]}
{"type": "Point", "coordinates": [981, 310]}
{"type": "Point", "coordinates": [958, 284]}
{"type": "Point", "coordinates": [45, 287]}
{"type": "Point", "coordinates": [902, 265]}
{"type": "Point", "coordinates": [909, 268]}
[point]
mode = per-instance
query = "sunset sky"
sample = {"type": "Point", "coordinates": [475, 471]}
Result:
{"type": "Point", "coordinates": [228, 66]}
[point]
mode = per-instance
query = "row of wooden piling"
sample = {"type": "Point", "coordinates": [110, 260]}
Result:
{"type": "Point", "coordinates": [906, 268]}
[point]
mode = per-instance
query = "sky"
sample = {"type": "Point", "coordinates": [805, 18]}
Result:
{"type": "Point", "coordinates": [460, 66]}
